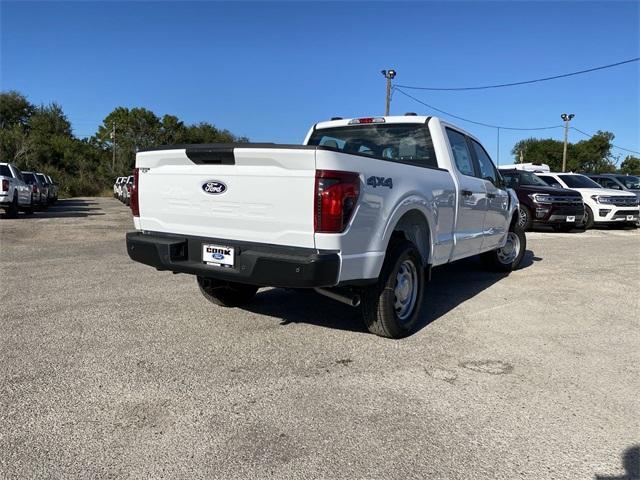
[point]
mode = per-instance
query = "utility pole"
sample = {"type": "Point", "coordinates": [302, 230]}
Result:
{"type": "Point", "coordinates": [113, 147]}
{"type": "Point", "coordinates": [567, 118]}
{"type": "Point", "coordinates": [521, 156]}
{"type": "Point", "coordinates": [389, 75]}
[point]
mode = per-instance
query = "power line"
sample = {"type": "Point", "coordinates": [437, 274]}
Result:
{"type": "Point", "coordinates": [471, 121]}
{"type": "Point", "coordinates": [512, 84]}
{"type": "Point", "coordinates": [614, 146]}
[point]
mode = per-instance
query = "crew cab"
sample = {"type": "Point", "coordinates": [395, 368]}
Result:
{"type": "Point", "coordinates": [15, 194]}
{"type": "Point", "coordinates": [541, 204]}
{"type": "Point", "coordinates": [360, 212]}
{"type": "Point", "coordinates": [602, 205]}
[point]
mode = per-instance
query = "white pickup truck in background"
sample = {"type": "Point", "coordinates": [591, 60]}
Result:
{"type": "Point", "coordinates": [360, 212]}
{"type": "Point", "coordinates": [15, 193]}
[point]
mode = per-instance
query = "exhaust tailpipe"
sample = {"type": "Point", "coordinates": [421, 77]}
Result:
{"type": "Point", "coordinates": [351, 299]}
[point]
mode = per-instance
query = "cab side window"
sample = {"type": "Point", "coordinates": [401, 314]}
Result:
{"type": "Point", "coordinates": [461, 153]}
{"type": "Point", "coordinates": [487, 170]}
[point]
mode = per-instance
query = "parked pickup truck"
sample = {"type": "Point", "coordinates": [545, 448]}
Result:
{"type": "Point", "coordinates": [360, 212]}
{"type": "Point", "coordinates": [15, 194]}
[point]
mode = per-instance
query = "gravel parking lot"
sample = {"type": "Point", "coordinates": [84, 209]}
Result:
{"type": "Point", "coordinates": [110, 369]}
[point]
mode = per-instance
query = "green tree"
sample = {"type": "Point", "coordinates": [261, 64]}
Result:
{"type": "Point", "coordinates": [630, 165]}
{"type": "Point", "coordinates": [590, 156]}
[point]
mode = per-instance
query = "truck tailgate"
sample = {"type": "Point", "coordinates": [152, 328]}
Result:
{"type": "Point", "coordinates": [262, 195]}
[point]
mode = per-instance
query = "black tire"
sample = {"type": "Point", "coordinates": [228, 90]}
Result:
{"type": "Point", "coordinates": [379, 310]}
{"type": "Point", "coordinates": [563, 227]}
{"type": "Point", "coordinates": [12, 211]}
{"type": "Point", "coordinates": [29, 210]}
{"type": "Point", "coordinates": [525, 219]}
{"type": "Point", "coordinates": [226, 294]}
{"type": "Point", "coordinates": [500, 259]}
{"type": "Point", "coordinates": [588, 218]}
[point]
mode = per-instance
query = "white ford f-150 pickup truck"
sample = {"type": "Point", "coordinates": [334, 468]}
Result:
{"type": "Point", "coordinates": [360, 212]}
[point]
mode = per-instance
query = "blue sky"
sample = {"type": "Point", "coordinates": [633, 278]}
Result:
{"type": "Point", "coordinates": [269, 70]}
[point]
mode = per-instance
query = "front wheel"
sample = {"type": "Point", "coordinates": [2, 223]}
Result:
{"type": "Point", "coordinates": [226, 294]}
{"type": "Point", "coordinates": [588, 218]}
{"type": "Point", "coordinates": [525, 219]}
{"type": "Point", "coordinates": [391, 308]}
{"type": "Point", "coordinates": [508, 257]}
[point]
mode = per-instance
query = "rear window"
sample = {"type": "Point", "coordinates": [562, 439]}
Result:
{"type": "Point", "coordinates": [41, 178]}
{"type": "Point", "coordinates": [5, 171]}
{"type": "Point", "coordinates": [30, 178]}
{"type": "Point", "coordinates": [578, 181]}
{"type": "Point", "coordinates": [404, 143]}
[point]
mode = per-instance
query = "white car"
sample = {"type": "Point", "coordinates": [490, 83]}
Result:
{"type": "Point", "coordinates": [15, 193]}
{"type": "Point", "coordinates": [360, 212]}
{"type": "Point", "coordinates": [602, 205]}
{"type": "Point", "coordinates": [117, 186]}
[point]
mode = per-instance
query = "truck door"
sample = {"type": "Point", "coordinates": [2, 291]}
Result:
{"type": "Point", "coordinates": [496, 221]}
{"type": "Point", "coordinates": [472, 198]}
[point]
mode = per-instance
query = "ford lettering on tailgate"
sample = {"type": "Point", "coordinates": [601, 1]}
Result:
{"type": "Point", "coordinates": [214, 187]}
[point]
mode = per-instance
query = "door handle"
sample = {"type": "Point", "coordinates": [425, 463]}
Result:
{"type": "Point", "coordinates": [467, 193]}
{"type": "Point", "coordinates": [491, 195]}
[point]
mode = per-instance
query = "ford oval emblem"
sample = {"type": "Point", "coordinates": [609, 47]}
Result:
{"type": "Point", "coordinates": [214, 187]}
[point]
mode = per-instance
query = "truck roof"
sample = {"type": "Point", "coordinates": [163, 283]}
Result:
{"type": "Point", "coordinates": [343, 122]}
{"type": "Point", "coordinates": [381, 119]}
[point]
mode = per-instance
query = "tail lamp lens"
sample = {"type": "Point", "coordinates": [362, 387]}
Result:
{"type": "Point", "coordinates": [336, 196]}
{"type": "Point", "coordinates": [135, 206]}
{"type": "Point", "coordinates": [5, 185]}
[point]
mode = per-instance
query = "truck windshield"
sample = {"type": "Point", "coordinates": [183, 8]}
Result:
{"type": "Point", "coordinates": [515, 179]}
{"type": "Point", "coordinates": [400, 142]}
{"type": "Point", "coordinates": [629, 181]}
{"type": "Point", "coordinates": [578, 181]}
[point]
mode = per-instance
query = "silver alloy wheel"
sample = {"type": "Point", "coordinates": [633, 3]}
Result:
{"type": "Point", "coordinates": [405, 290]}
{"type": "Point", "coordinates": [522, 217]}
{"type": "Point", "coordinates": [511, 249]}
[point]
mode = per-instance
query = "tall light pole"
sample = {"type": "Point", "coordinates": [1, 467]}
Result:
{"type": "Point", "coordinates": [113, 147]}
{"type": "Point", "coordinates": [389, 75]}
{"type": "Point", "coordinates": [567, 118]}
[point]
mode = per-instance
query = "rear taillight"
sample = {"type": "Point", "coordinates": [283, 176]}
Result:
{"type": "Point", "coordinates": [133, 200]}
{"type": "Point", "coordinates": [336, 197]}
{"type": "Point", "coordinates": [5, 185]}
{"type": "Point", "coordinates": [34, 188]}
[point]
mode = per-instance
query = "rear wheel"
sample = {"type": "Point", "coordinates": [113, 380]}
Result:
{"type": "Point", "coordinates": [12, 211]}
{"type": "Point", "coordinates": [525, 220]}
{"type": "Point", "coordinates": [226, 294]}
{"type": "Point", "coordinates": [508, 258]}
{"type": "Point", "coordinates": [391, 308]}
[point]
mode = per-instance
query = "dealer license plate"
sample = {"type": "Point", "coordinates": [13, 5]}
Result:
{"type": "Point", "coordinates": [571, 218]}
{"type": "Point", "coordinates": [218, 255]}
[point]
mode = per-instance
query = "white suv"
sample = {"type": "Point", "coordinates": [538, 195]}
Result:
{"type": "Point", "coordinates": [602, 205]}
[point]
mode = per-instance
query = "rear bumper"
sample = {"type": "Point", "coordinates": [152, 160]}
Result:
{"type": "Point", "coordinates": [255, 263]}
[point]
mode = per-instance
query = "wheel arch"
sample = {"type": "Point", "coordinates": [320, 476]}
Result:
{"type": "Point", "coordinates": [412, 224]}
